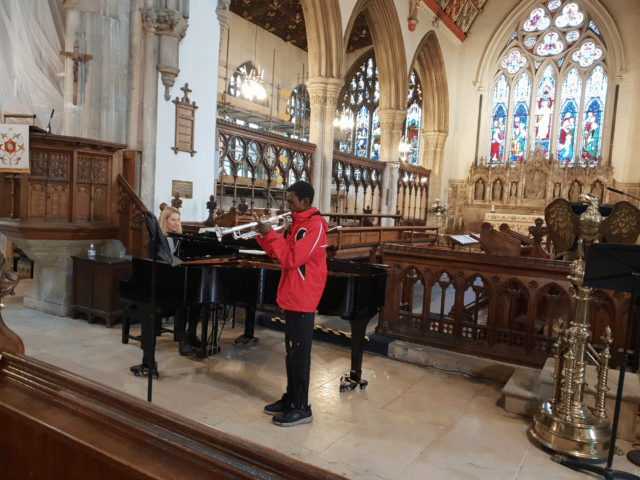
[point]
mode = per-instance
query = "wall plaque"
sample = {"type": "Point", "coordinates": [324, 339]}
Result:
{"type": "Point", "coordinates": [185, 123]}
{"type": "Point", "coordinates": [182, 189]}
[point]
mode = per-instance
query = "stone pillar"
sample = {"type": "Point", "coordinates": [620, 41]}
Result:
{"type": "Point", "coordinates": [433, 160]}
{"type": "Point", "coordinates": [224, 19]}
{"type": "Point", "coordinates": [391, 122]}
{"type": "Point", "coordinates": [323, 94]}
{"type": "Point", "coordinates": [162, 32]}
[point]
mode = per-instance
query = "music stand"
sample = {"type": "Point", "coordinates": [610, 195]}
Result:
{"type": "Point", "coordinates": [612, 266]}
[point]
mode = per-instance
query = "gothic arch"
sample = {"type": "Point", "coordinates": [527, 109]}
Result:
{"type": "Point", "coordinates": [388, 45]}
{"type": "Point", "coordinates": [324, 35]}
{"type": "Point", "coordinates": [429, 63]}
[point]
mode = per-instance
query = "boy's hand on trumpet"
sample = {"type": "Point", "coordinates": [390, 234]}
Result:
{"type": "Point", "coordinates": [262, 228]}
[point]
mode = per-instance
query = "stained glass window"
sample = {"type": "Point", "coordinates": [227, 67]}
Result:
{"type": "Point", "coordinates": [514, 62]}
{"type": "Point", "coordinates": [360, 97]}
{"type": "Point", "coordinates": [569, 101]}
{"type": "Point", "coordinates": [499, 120]}
{"type": "Point", "coordinates": [520, 116]}
{"type": "Point", "coordinates": [537, 21]}
{"type": "Point", "coordinates": [414, 115]}
{"type": "Point", "coordinates": [560, 105]}
{"type": "Point", "coordinates": [545, 103]}
{"type": "Point", "coordinates": [571, 16]}
{"type": "Point", "coordinates": [551, 45]}
{"type": "Point", "coordinates": [587, 54]}
{"type": "Point", "coordinates": [595, 95]}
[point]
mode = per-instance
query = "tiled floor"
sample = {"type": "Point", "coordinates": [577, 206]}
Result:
{"type": "Point", "coordinates": [411, 422]}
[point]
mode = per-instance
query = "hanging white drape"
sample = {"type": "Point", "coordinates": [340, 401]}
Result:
{"type": "Point", "coordinates": [31, 67]}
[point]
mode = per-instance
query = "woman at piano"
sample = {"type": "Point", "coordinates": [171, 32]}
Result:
{"type": "Point", "coordinates": [189, 342]}
{"type": "Point", "coordinates": [169, 221]}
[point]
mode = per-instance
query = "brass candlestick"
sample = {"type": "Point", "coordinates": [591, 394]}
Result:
{"type": "Point", "coordinates": [565, 423]}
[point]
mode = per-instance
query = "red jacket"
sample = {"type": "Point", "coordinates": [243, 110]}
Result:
{"type": "Point", "coordinates": [304, 261]}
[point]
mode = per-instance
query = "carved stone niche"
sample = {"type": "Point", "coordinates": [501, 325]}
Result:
{"type": "Point", "coordinates": [525, 188]}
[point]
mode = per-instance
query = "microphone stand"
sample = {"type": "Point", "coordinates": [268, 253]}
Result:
{"type": "Point", "coordinates": [50, 118]}
{"type": "Point", "coordinates": [620, 192]}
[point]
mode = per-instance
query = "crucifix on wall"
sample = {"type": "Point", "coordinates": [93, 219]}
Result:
{"type": "Point", "coordinates": [76, 56]}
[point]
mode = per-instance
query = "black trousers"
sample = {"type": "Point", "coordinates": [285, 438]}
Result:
{"type": "Point", "coordinates": [187, 316]}
{"type": "Point", "coordinates": [298, 335]}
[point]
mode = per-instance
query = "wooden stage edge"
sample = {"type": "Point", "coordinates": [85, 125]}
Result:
{"type": "Point", "coordinates": [56, 424]}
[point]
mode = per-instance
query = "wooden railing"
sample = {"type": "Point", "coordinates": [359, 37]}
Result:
{"type": "Point", "coordinates": [413, 192]}
{"type": "Point", "coordinates": [358, 184]}
{"type": "Point", "coordinates": [363, 242]}
{"type": "Point", "coordinates": [492, 306]}
{"type": "Point", "coordinates": [254, 160]}
{"type": "Point", "coordinates": [133, 232]}
{"type": "Point", "coordinates": [361, 219]}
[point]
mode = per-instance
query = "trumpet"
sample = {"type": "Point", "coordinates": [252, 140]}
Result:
{"type": "Point", "coordinates": [247, 230]}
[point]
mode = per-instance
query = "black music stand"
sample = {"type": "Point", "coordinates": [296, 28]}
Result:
{"type": "Point", "coordinates": [612, 266]}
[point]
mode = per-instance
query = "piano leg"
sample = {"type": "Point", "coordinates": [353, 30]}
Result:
{"type": "Point", "coordinates": [249, 325]}
{"type": "Point", "coordinates": [354, 379]}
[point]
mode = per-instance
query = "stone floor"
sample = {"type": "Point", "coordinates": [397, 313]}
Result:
{"type": "Point", "coordinates": [411, 422]}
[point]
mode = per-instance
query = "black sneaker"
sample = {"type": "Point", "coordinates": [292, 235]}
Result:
{"type": "Point", "coordinates": [297, 416]}
{"type": "Point", "coordinates": [281, 406]}
{"type": "Point", "coordinates": [193, 340]}
{"type": "Point", "coordinates": [185, 349]}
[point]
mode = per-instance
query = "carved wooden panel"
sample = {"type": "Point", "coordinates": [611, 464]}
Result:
{"type": "Point", "coordinates": [48, 189]}
{"type": "Point", "coordinates": [185, 123]}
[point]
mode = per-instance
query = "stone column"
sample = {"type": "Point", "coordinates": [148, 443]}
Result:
{"type": "Point", "coordinates": [433, 160]}
{"type": "Point", "coordinates": [323, 94]}
{"type": "Point", "coordinates": [390, 134]}
{"type": "Point", "coordinates": [163, 30]}
{"type": "Point", "coordinates": [224, 19]}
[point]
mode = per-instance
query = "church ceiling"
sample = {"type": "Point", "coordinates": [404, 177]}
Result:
{"type": "Point", "coordinates": [285, 19]}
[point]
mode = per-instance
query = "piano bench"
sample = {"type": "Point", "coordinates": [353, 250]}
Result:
{"type": "Point", "coordinates": [129, 317]}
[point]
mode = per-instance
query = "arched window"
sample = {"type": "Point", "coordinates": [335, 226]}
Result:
{"type": "Point", "coordinates": [299, 107]}
{"type": "Point", "coordinates": [414, 116]}
{"type": "Point", "coordinates": [550, 88]}
{"type": "Point", "coordinates": [360, 96]}
{"type": "Point", "coordinates": [237, 80]}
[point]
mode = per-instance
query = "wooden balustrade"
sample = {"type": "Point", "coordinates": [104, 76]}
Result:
{"type": "Point", "coordinates": [255, 159]}
{"type": "Point", "coordinates": [352, 174]}
{"type": "Point", "coordinates": [498, 307]}
{"type": "Point", "coordinates": [413, 192]}
{"type": "Point", "coordinates": [133, 231]}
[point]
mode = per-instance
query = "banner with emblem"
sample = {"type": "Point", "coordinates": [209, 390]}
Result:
{"type": "Point", "coordinates": [14, 148]}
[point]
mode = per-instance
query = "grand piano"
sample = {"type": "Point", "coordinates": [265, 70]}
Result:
{"type": "Point", "coordinates": [213, 272]}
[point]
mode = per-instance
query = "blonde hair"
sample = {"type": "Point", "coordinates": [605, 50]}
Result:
{"type": "Point", "coordinates": [164, 216]}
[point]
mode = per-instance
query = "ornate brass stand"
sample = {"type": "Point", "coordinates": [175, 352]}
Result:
{"type": "Point", "coordinates": [565, 423]}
